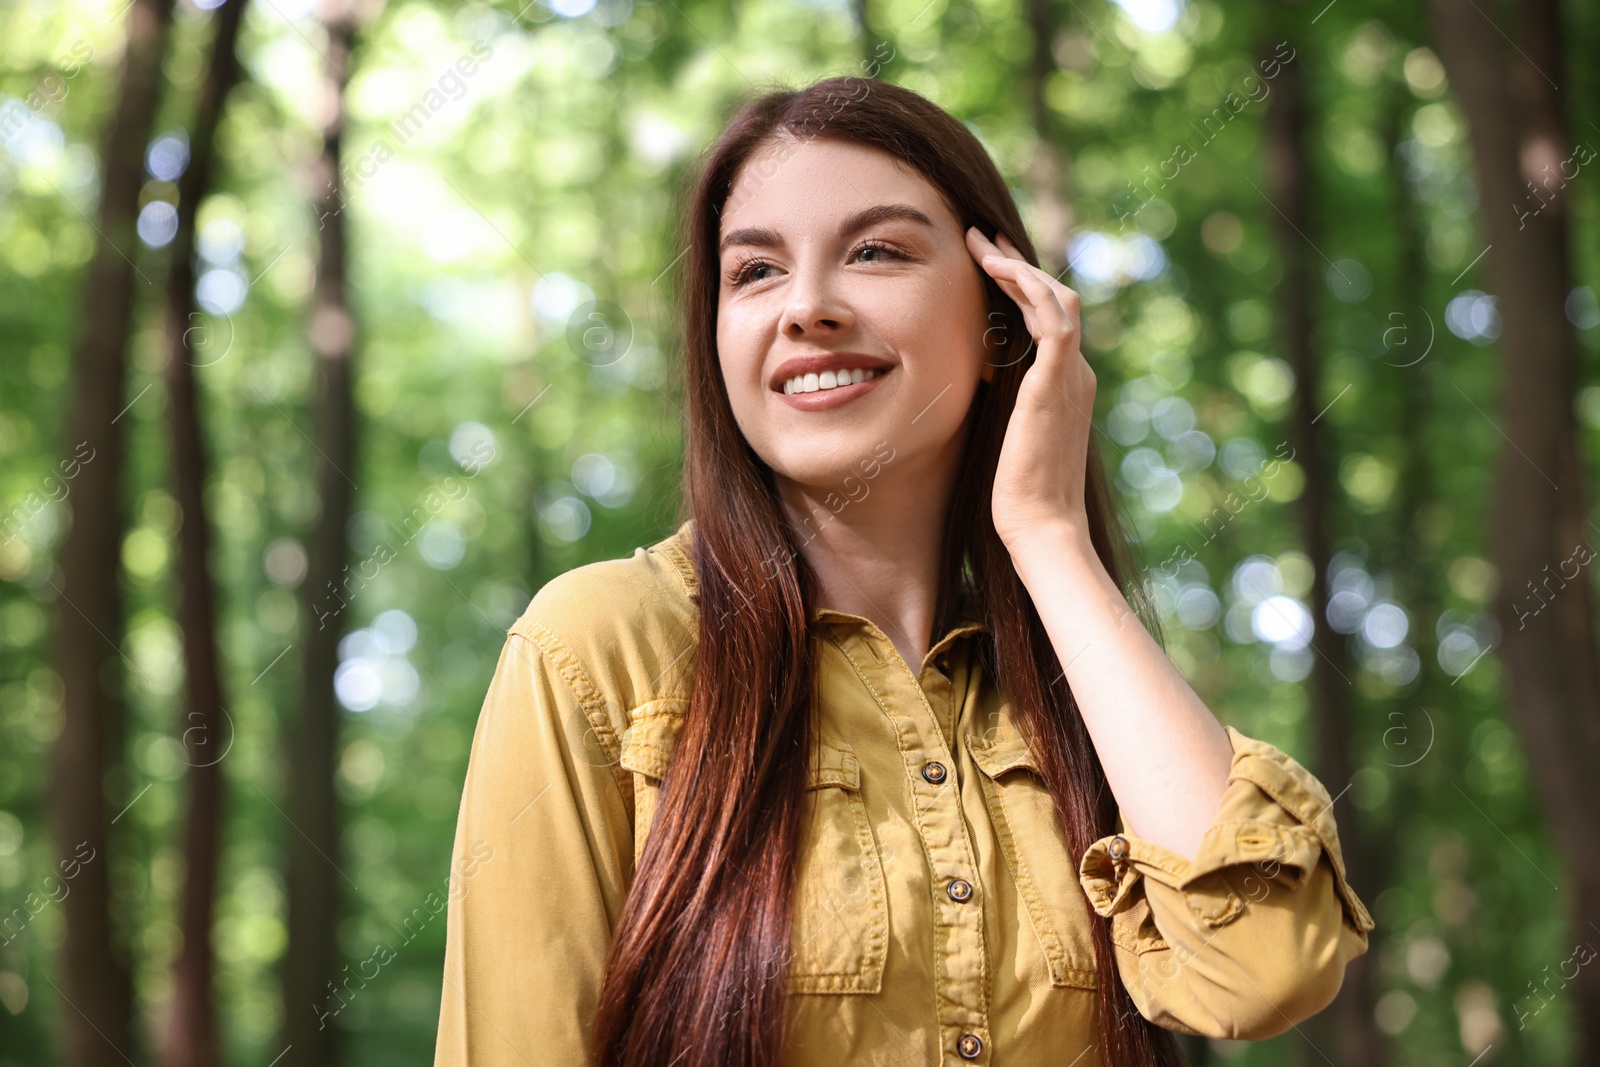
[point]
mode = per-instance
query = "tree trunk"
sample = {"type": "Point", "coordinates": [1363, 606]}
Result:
{"type": "Point", "coordinates": [1047, 173]}
{"type": "Point", "coordinates": [1348, 1021]}
{"type": "Point", "coordinates": [1411, 560]}
{"type": "Point", "coordinates": [97, 992]}
{"type": "Point", "coordinates": [1538, 518]}
{"type": "Point", "coordinates": [311, 1002]}
{"type": "Point", "coordinates": [873, 50]}
{"type": "Point", "coordinates": [192, 1035]}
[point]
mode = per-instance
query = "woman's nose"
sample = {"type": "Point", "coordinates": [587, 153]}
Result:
{"type": "Point", "coordinates": [813, 305]}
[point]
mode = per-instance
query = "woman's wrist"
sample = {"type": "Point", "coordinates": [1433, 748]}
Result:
{"type": "Point", "coordinates": [1050, 547]}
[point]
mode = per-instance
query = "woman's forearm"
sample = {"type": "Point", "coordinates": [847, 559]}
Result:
{"type": "Point", "coordinates": [1165, 754]}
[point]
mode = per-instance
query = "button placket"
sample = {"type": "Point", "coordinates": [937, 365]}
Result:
{"type": "Point", "coordinates": [961, 952]}
{"type": "Point", "coordinates": [939, 694]}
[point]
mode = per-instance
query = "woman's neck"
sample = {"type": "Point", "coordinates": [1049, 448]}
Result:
{"type": "Point", "coordinates": [878, 553]}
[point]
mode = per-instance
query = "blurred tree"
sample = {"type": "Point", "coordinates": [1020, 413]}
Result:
{"type": "Point", "coordinates": [872, 51]}
{"type": "Point", "coordinates": [1539, 518]}
{"type": "Point", "coordinates": [97, 1008]}
{"type": "Point", "coordinates": [1049, 178]}
{"type": "Point", "coordinates": [541, 180]}
{"type": "Point", "coordinates": [1419, 580]}
{"type": "Point", "coordinates": [315, 892]}
{"type": "Point", "coordinates": [1290, 191]}
{"type": "Point", "coordinates": [192, 1039]}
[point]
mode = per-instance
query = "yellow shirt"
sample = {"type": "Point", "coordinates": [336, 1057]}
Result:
{"type": "Point", "coordinates": [938, 899]}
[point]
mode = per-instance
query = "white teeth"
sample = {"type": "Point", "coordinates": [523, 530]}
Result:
{"type": "Point", "coordinates": [812, 383]}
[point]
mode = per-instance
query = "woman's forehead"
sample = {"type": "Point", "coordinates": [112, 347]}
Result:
{"type": "Point", "coordinates": [793, 184]}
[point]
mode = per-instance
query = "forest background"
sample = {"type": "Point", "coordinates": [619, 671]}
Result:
{"type": "Point", "coordinates": [330, 332]}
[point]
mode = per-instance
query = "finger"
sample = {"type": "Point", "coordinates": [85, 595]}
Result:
{"type": "Point", "coordinates": [981, 246]}
{"type": "Point", "coordinates": [1014, 267]}
{"type": "Point", "coordinates": [1043, 300]}
{"type": "Point", "coordinates": [1016, 272]}
{"type": "Point", "coordinates": [982, 249]}
{"type": "Point", "coordinates": [1008, 275]}
{"type": "Point", "coordinates": [998, 268]}
{"type": "Point", "coordinates": [1050, 314]}
{"type": "Point", "coordinates": [987, 247]}
{"type": "Point", "coordinates": [1064, 293]}
{"type": "Point", "coordinates": [1006, 247]}
{"type": "Point", "coordinates": [1003, 271]}
{"type": "Point", "coordinates": [1009, 246]}
{"type": "Point", "coordinates": [1036, 320]}
{"type": "Point", "coordinates": [1065, 296]}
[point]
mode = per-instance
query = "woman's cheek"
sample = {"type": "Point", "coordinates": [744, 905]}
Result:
{"type": "Point", "coordinates": [736, 368]}
{"type": "Point", "coordinates": [965, 319]}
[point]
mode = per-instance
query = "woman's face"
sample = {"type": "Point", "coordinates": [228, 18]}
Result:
{"type": "Point", "coordinates": [838, 259]}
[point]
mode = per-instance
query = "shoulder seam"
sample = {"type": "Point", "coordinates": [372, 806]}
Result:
{"type": "Point", "coordinates": [672, 548]}
{"type": "Point", "coordinates": [583, 689]}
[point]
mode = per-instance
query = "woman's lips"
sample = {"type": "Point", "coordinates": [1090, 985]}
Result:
{"type": "Point", "coordinates": [827, 399]}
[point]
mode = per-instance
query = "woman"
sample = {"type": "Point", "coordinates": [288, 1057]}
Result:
{"type": "Point", "coordinates": [836, 772]}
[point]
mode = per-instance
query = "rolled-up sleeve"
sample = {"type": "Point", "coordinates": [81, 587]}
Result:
{"type": "Point", "coordinates": [1250, 937]}
{"type": "Point", "coordinates": [542, 859]}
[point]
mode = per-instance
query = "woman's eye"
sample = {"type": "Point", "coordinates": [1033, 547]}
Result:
{"type": "Point", "coordinates": [881, 249]}
{"type": "Point", "coordinates": [740, 275]}
{"type": "Point", "coordinates": [744, 273]}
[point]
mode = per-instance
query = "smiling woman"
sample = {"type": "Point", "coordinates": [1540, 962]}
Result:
{"type": "Point", "coordinates": [802, 783]}
{"type": "Point", "coordinates": [843, 259]}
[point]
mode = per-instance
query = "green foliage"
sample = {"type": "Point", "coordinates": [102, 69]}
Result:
{"type": "Point", "coordinates": [487, 209]}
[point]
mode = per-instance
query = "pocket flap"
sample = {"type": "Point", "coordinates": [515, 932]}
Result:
{"type": "Point", "coordinates": [1004, 754]}
{"type": "Point", "coordinates": [648, 744]}
{"type": "Point", "coordinates": [834, 762]}
{"type": "Point", "coordinates": [648, 741]}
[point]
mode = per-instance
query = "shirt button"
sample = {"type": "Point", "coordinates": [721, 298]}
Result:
{"type": "Point", "coordinates": [1118, 848]}
{"type": "Point", "coordinates": [970, 1046]}
{"type": "Point", "coordinates": [959, 889]}
{"type": "Point", "coordinates": [933, 771]}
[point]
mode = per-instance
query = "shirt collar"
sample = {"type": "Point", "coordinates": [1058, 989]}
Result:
{"type": "Point", "coordinates": [676, 549]}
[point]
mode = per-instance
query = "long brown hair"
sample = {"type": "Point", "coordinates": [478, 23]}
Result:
{"type": "Point", "coordinates": [695, 974]}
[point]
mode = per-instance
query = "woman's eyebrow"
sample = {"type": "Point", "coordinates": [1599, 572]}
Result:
{"type": "Point", "coordinates": [761, 237]}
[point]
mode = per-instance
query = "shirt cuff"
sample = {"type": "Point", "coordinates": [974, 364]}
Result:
{"type": "Point", "coordinates": [1274, 814]}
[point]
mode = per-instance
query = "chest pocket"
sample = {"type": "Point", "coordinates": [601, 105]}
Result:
{"type": "Point", "coordinates": [840, 935]}
{"type": "Point", "coordinates": [839, 938]}
{"type": "Point", "coordinates": [647, 746]}
{"type": "Point", "coordinates": [1037, 854]}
